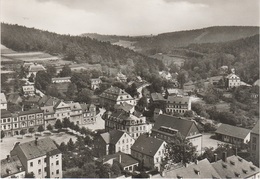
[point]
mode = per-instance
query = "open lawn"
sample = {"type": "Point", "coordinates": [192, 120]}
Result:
{"type": "Point", "coordinates": [8, 142]}
{"type": "Point", "coordinates": [209, 142]}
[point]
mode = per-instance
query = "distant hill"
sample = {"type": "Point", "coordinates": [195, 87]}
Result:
{"type": "Point", "coordinates": [73, 48]}
{"type": "Point", "coordinates": [168, 41]}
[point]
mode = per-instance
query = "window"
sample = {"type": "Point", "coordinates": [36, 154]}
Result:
{"type": "Point", "coordinates": [57, 162]}
{"type": "Point", "coordinates": [39, 161]}
{"type": "Point", "coordinates": [57, 171]}
{"type": "Point", "coordinates": [39, 171]}
{"type": "Point", "coordinates": [31, 164]}
{"type": "Point", "coordinates": [254, 140]}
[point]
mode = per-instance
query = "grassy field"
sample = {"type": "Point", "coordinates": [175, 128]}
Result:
{"type": "Point", "coordinates": [169, 59]}
{"type": "Point", "coordinates": [125, 44]}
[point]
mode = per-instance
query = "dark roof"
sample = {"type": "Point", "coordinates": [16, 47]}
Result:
{"type": "Point", "coordinates": [86, 107]}
{"type": "Point", "coordinates": [31, 150]}
{"type": "Point", "coordinates": [115, 135]}
{"type": "Point", "coordinates": [31, 111]}
{"type": "Point", "coordinates": [147, 145]}
{"type": "Point", "coordinates": [191, 171]}
{"type": "Point", "coordinates": [232, 131]}
{"type": "Point", "coordinates": [178, 99]}
{"type": "Point", "coordinates": [13, 98]}
{"type": "Point", "coordinates": [255, 130]}
{"type": "Point", "coordinates": [126, 159]}
{"type": "Point", "coordinates": [12, 165]}
{"type": "Point", "coordinates": [125, 106]}
{"type": "Point", "coordinates": [235, 167]}
{"type": "Point", "coordinates": [5, 113]}
{"type": "Point", "coordinates": [32, 99]}
{"type": "Point", "coordinates": [180, 124]}
{"type": "Point", "coordinates": [113, 92]}
{"type": "Point", "coordinates": [2, 98]}
{"type": "Point", "coordinates": [48, 101]}
{"type": "Point", "coordinates": [157, 97]}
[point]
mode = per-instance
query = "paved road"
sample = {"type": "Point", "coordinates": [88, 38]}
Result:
{"type": "Point", "coordinates": [100, 124]}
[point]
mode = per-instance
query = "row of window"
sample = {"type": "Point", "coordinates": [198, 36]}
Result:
{"type": "Point", "coordinates": [45, 160]}
{"type": "Point", "coordinates": [175, 110]}
{"type": "Point", "coordinates": [178, 106]}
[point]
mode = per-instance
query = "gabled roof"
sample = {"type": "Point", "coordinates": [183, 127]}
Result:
{"type": "Point", "coordinates": [48, 101]}
{"type": "Point", "coordinates": [235, 167]}
{"type": "Point", "coordinates": [233, 131]}
{"type": "Point", "coordinates": [112, 137]}
{"type": "Point", "coordinates": [105, 137]}
{"type": "Point", "coordinates": [202, 169]}
{"type": "Point", "coordinates": [3, 98]}
{"type": "Point", "coordinates": [114, 92]}
{"type": "Point", "coordinates": [31, 111]}
{"type": "Point", "coordinates": [75, 106]}
{"type": "Point", "coordinates": [178, 99]}
{"type": "Point", "coordinates": [126, 159]}
{"type": "Point", "coordinates": [255, 130]}
{"type": "Point", "coordinates": [13, 165]}
{"type": "Point", "coordinates": [125, 106]}
{"type": "Point", "coordinates": [86, 107]}
{"type": "Point", "coordinates": [5, 113]}
{"type": "Point", "coordinates": [48, 110]}
{"type": "Point", "coordinates": [14, 98]}
{"type": "Point", "coordinates": [31, 150]}
{"type": "Point", "coordinates": [157, 97]}
{"type": "Point", "coordinates": [61, 104]}
{"type": "Point", "coordinates": [32, 99]}
{"type": "Point", "coordinates": [174, 91]}
{"type": "Point", "coordinates": [257, 82]}
{"type": "Point", "coordinates": [232, 75]}
{"type": "Point", "coordinates": [147, 145]}
{"type": "Point", "coordinates": [180, 124]}
{"type": "Point", "coordinates": [36, 68]}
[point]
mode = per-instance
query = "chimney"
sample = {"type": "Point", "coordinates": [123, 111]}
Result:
{"type": "Point", "coordinates": [36, 141]}
{"type": "Point", "coordinates": [8, 158]}
{"type": "Point", "coordinates": [215, 157]}
{"type": "Point", "coordinates": [236, 151]}
{"type": "Point", "coordinates": [119, 158]}
{"type": "Point", "coordinates": [224, 156]}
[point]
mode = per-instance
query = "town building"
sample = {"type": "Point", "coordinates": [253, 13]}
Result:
{"type": "Point", "coordinates": [233, 134]}
{"type": "Point", "coordinates": [133, 123]}
{"type": "Point", "coordinates": [125, 107]}
{"type": "Point", "coordinates": [31, 101]}
{"type": "Point", "coordinates": [165, 75]}
{"type": "Point", "coordinates": [115, 95]}
{"type": "Point", "coordinates": [232, 80]}
{"type": "Point", "coordinates": [127, 162]}
{"type": "Point", "coordinates": [75, 114]}
{"type": "Point", "coordinates": [28, 90]}
{"type": "Point", "coordinates": [61, 80]}
{"type": "Point", "coordinates": [62, 110]}
{"type": "Point", "coordinates": [40, 156]}
{"type": "Point", "coordinates": [166, 127]}
{"type": "Point", "coordinates": [48, 101]}
{"type": "Point", "coordinates": [34, 69]}
{"type": "Point", "coordinates": [254, 144]}
{"type": "Point", "coordinates": [3, 101]}
{"type": "Point", "coordinates": [173, 92]}
{"type": "Point", "coordinates": [178, 104]}
{"type": "Point", "coordinates": [235, 167]}
{"type": "Point", "coordinates": [95, 83]}
{"type": "Point", "coordinates": [121, 77]}
{"type": "Point", "coordinates": [6, 122]}
{"type": "Point", "coordinates": [198, 169]}
{"type": "Point", "coordinates": [112, 142]}
{"type": "Point", "coordinates": [11, 167]}
{"type": "Point", "coordinates": [88, 114]}
{"type": "Point", "coordinates": [149, 151]}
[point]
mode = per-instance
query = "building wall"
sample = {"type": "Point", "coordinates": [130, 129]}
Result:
{"type": "Point", "coordinates": [124, 144]}
{"type": "Point", "coordinates": [233, 140]}
{"type": "Point", "coordinates": [197, 142]}
{"type": "Point", "coordinates": [254, 148]}
{"type": "Point", "coordinates": [3, 106]}
{"type": "Point", "coordinates": [101, 147]}
{"type": "Point", "coordinates": [17, 175]}
{"type": "Point", "coordinates": [37, 166]}
{"type": "Point", "coordinates": [55, 166]}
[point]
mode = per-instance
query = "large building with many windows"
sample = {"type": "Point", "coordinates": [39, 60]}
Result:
{"type": "Point", "coordinates": [115, 95]}
{"type": "Point", "coordinates": [12, 124]}
{"type": "Point", "coordinates": [133, 123]}
{"type": "Point", "coordinates": [254, 144]}
{"type": "Point", "coordinates": [178, 104]}
{"type": "Point", "coordinates": [40, 156]}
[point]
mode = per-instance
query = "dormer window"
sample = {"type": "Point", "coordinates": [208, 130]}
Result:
{"type": "Point", "coordinates": [197, 171]}
{"type": "Point", "coordinates": [224, 165]}
{"type": "Point", "coordinates": [232, 162]}
{"type": "Point", "coordinates": [237, 174]}
{"type": "Point", "coordinates": [252, 168]}
{"type": "Point", "coordinates": [244, 171]}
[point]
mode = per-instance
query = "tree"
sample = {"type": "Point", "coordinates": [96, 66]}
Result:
{"type": "Point", "coordinates": [132, 90]}
{"type": "Point", "coordinates": [52, 90]}
{"type": "Point", "coordinates": [105, 171]}
{"type": "Point", "coordinates": [2, 135]}
{"type": "Point", "coordinates": [29, 175]}
{"type": "Point", "coordinates": [180, 149]}
{"type": "Point", "coordinates": [89, 170]}
{"type": "Point", "coordinates": [51, 70]}
{"type": "Point", "coordinates": [77, 128]}
{"type": "Point", "coordinates": [42, 80]}
{"type": "Point", "coordinates": [84, 96]}
{"type": "Point", "coordinates": [49, 127]}
{"type": "Point", "coordinates": [31, 130]}
{"type": "Point", "coordinates": [208, 153]}
{"type": "Point", "coordinates": [63, 148]}
{"type": "Point", "coordinates": [40, 129]}
{"type": "Point", "coordinates": [22, 132]}
{"type": "Point", "coordinates": [66, 71]}
{"type": "Point", "coordinates": [116, 169]}
{"type": "Point", "coordinates": [58, 124]}
{"type": "Point", "coordinates": [66, 122]}
{"type": "Point", "coordinates": [71, 91]}
{"type": "Point", "coordinates": [71, 145]}
{"type": "Point", "coordinates": [31, 78]}
{"type": "Point", "coordinates": [188, 113]}
{"type": "Point", "coordinates": [181, 78]}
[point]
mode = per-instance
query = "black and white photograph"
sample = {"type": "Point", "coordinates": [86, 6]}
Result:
{"type": "Point", "coordinates": [130, 89]}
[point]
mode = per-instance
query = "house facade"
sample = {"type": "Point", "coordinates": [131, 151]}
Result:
{"type": "Point", "coordinates": [95, 82]}
{"type": "Point", "coordinates": [12, 124]}
{"type": "Point", "coordinates": [41, 157]}
{"type": "Point", "coordinates": [149, 151]}
{"type": "Point", "coordinates": [178, 104]}
{"type": "Point", "coordinates": [125, 121]}
{"type": "Point", "coordinates": [61, 80]}
{"type": "Point", "coordinates": [112, 142]}
{"type": "Point", "coordinates": [34, 68]}
{"type": "Point", "coordinates": [3, 104]}
{"type": "Point", "coordinates": [254, 144]}
{"type": "Point", "coordinates": [115, 95]}
{"type": "Point", "coordinates": [166, 127]}
{"type": "Point", "coordinates": [232, 80]}
{"type": "Point", "coordinates": [28, 90]}
{"type": "Point", "coordinates": [232, 134]}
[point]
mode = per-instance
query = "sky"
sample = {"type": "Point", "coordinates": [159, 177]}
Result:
{"type": "Point", "coordinates": [128, 17]}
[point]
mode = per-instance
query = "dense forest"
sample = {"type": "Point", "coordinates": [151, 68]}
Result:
{"type": "Point", "coordinates": [242, 54]}
{"type": "Point", "coordinates": [73, 48]}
